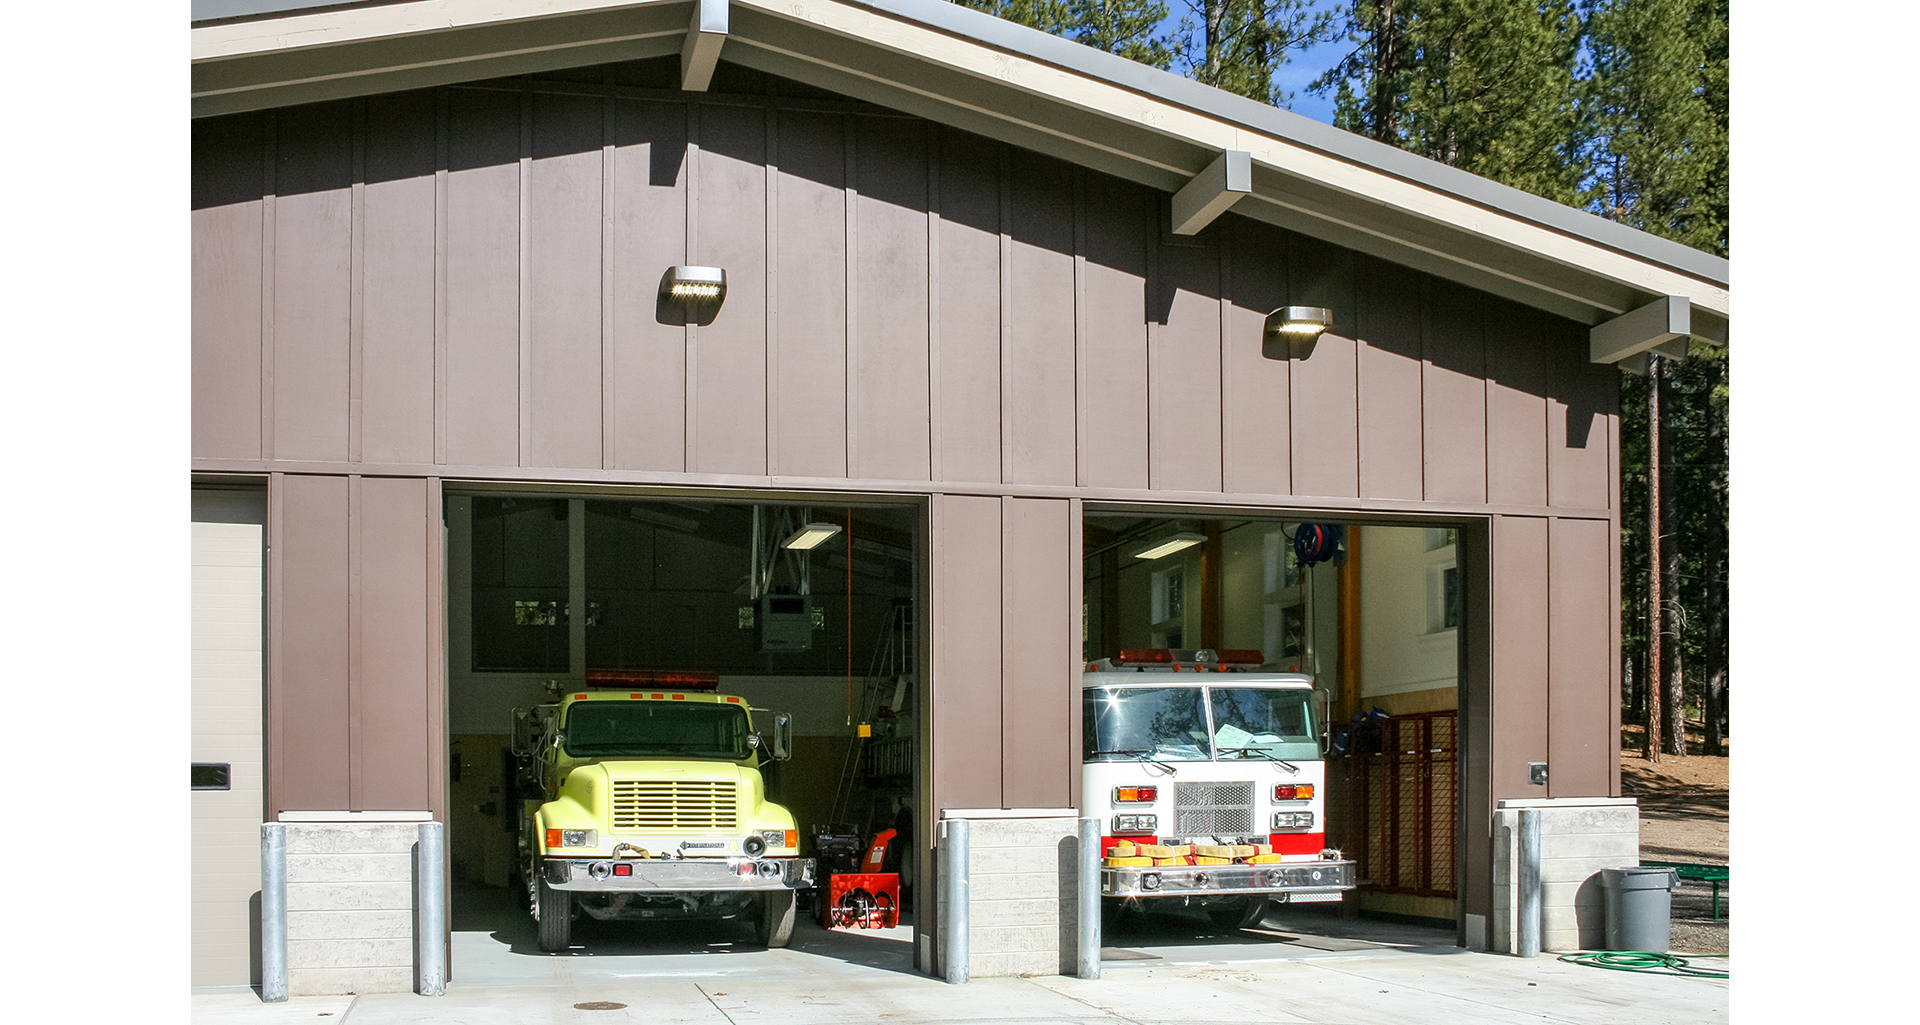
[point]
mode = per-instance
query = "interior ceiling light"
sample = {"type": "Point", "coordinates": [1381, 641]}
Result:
{"type": "Point", "coordinates": [811, 536]}
{"type": "Point", "coordinates": [694, 286]}
{"type": "Point", "coordinates": [1169, 546]}
{"type": "Point", "coordinates": [1291, 331]}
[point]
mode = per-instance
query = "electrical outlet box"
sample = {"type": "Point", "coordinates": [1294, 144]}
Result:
{"type": "Point", "coordinates": [785, 624]}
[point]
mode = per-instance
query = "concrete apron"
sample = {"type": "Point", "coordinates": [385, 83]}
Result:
{"type": "Point", "coordinates": [1298, 966]}
{"type": "Point", "coordinates": [1439, 989]}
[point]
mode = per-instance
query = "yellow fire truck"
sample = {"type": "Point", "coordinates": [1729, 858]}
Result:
{"type": "Point", "coordinates": [643, 798]}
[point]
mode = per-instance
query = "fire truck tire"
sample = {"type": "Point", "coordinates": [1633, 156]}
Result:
{"type": "Point", "coordinates": [1239, 915]}
{"type": "Point", "coordinates": [554, 912]}
{"type": "Point", "coordinates": [776, 918]}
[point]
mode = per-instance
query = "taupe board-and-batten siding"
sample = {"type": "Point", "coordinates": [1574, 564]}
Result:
{"type": "Point", "coordinates": [460, 284]}
{"type": "Point", "coordinates": [466, 279]}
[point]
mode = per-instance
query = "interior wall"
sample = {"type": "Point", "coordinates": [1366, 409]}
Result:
{"type": "Point", "coordinates": [1409, 658]}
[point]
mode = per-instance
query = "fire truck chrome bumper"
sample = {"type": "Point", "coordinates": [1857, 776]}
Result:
{"type": "Point", "coordinates": [1304, 878]}
{"type": "Point", "coordinates": [597, 875]}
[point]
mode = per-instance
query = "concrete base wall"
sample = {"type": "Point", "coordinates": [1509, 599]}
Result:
{"type": "Point", "coordinates": [1023, 876]}
{"type": "Point", "coordinates": [1579, 837]}
{"type": "Point", "coordinates": [350, 907]}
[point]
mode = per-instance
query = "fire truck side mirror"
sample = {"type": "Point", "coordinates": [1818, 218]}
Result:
{"type": "Point", "coordinates": [782, 736]}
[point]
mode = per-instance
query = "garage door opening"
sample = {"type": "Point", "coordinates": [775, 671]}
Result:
{"type": "Point", "coordinates": [1372, 614]}
{"type": "Point", "coordinates": [757, 665]}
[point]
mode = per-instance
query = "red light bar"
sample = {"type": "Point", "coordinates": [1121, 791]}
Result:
{"type": "Point", "coordinates": [634, 679]}
{"type": "Point", "coordinates": [1196, 657]}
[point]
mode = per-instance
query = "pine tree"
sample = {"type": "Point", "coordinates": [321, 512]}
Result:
{"type": "Point", "coordinates": [1483, 85]}
{"type": "Point", "coordinates": [1240, 45]}
{"type": "Point", "coordinates": [1128, 28]}
{"type": "Point", "coordinates": [1657, 106]}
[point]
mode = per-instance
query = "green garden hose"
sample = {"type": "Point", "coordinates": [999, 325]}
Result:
{"type": "Point", "coordinates": [1645, 961]}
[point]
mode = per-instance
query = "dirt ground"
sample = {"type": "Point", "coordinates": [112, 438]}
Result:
{"type": "Point", "coordinates": [1683, 818]}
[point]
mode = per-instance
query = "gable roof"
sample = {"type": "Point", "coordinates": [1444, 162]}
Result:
{"type": "Point", "coordinates": [1005, 81]}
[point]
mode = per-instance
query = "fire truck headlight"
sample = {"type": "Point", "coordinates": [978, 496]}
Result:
{"type": "Point", "coordinates": [775, 837]}
{"type": "Point", "coordinates": [1293, 820]}
{"type": "Point", "coordinates": [1136, 823]}
{"type": "Point", "coordinates": [579, 838]}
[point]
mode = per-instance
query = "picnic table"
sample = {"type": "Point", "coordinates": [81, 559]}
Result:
{"type": "Point", "coordinates": [1715, 874]}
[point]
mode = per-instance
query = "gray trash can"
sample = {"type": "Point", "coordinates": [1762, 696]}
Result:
{"type": "Point", "coordinates": [1639, 907]}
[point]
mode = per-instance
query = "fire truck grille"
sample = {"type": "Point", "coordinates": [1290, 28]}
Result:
{"type": "Point", "coordinates": [674, 806]}
{"type": "Point", "coordinates": [1213, 809]}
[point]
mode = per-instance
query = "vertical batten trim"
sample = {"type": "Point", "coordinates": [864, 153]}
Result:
{"type": "Point", "coordinates": [435, 741]}
{"type": "Point", "coordinates": [269, 258]}
{"type": "Point", "coordinates": [356, 651]}
{"type": "Point", "coordinates": [1226, 235]}
{"type": "Point", "coordinates": [935, 470]}
{"type": "Point", "coordinates": [1079, 323]}
{"type": "Point", "coordinates": [689, 332]}
{"type": "Point", "coordinates": [609, 408]}
{"type": "Point", "coordinates": [1152, 237]}
{"type": "Point", "coordinates": [1006, 316]}
{"type": "Point", "coordinates": [356, 281]}
{"type": "Point", "coordinates": [772, 312]}
{"type": "Point", "coordinates": [440, 181]}
{"type": "Point", "coordinates": [851, 197]}
{"type": "Point", "coordinates": [272, 586]}
{"type": "Point", "coordinates": [525, 279]}
{"type": "Point", "coordinates": [1076, 510]}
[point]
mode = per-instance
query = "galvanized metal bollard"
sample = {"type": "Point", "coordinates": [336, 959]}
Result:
{"type": "Point", "coordinates": [1529, 883]}
{"type": "Point", "coordinates": [1090, 898]}
{"type": "Point", "coordinates": [430, 914]}
{"type": "Point", "coordinates": [273, 912]}
{"type": "Point", "coordinates": [955, 884]}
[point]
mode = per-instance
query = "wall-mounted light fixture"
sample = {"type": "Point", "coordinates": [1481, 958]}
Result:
{"type": "Point", "coordinates": [811, 536]}
{"type": "Point", "coordinates": [1164, 548]}
{"type": "Point", "coordinates": [694, 287]}
{"type": "Point", "coordinates": [1291, 331]}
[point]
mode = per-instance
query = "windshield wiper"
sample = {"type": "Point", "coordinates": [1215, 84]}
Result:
{"type": "Point", "coordinates": [1289, 766]}
{"type": "Point", "coordinates": [1140, 753]}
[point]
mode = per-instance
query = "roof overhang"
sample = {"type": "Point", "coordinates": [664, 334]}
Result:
{"type": "Point", "coordinates": [937, 60]}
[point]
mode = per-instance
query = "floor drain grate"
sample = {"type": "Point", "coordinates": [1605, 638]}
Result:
{"type": "Point", "coordinates": [599, 1005]}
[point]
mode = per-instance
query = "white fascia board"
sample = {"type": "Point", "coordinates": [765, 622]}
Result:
{"type": "Point", "coordinates": [386, 21]}
{"type": "Point", "coordinates": [1210, 193]}
{"type": "Point", "coordinates": [1105, 99]}
{"type": "Point", "coordinates": [706, 31]}
{"type": "Point", "coordinates": [1653, 326]}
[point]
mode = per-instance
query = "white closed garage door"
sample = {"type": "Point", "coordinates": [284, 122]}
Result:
{"type": "Point", "coordinates": [228, 795]}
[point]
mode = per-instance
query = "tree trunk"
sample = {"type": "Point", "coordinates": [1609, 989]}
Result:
{"type": "Point", "coordinates": [1386, 75]}
{"type": "Point", "coordinates": [1655, 605]}
{"type": "Point", "coordinates": [1673, 701]}
{"type": "Point", "coordinates": [1719, 570]}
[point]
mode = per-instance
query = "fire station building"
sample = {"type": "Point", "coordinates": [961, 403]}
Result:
{"type": "Point", "coordinates": [992, 304]}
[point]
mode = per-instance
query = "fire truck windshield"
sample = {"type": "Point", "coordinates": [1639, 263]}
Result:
{"type": "Point", "coordinates": [1171, 724]}
{"type": "Point", "coordinates": [1124, 724]}
{"type": "Point", "coordinates": [655, 729]}
{"type": "Point", "coordinates": [1259, 722]}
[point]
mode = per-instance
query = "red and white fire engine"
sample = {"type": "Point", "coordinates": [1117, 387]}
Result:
{"type": "Point", "coordinates": [1210, 778]}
